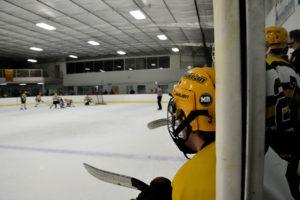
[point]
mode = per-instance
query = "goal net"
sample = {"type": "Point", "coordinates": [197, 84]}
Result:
{"type": "Point", "coordinates": [97, 99]}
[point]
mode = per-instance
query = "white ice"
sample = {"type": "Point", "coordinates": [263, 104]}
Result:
{"type": "Point", "coordinates": [42, 151]}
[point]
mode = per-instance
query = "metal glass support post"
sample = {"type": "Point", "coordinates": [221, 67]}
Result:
{"type": "Point", "coordinates": [75, 90]}
{"type": "Point", "coordinates": [256, 90]}
{"type": "Point", "coordinates": [228, 99]}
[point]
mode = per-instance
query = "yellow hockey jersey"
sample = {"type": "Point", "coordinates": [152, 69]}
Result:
{"type": "Point", "coordinates": [196, 179]}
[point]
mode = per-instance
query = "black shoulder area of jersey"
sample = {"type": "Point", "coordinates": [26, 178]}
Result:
{"type": "Point", "coordinates": [272, 62]}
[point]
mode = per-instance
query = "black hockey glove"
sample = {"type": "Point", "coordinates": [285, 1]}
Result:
{"type": "Point", "coordinates": [160, 189]}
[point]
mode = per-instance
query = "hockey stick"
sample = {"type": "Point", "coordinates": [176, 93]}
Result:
{"type": "Point", "coordinates": [117, 179]}
{"type": "Point", "coordinates": [157, 123]}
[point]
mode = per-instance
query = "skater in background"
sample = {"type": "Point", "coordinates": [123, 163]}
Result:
{"type": "Point", "coordinates": [87, 100]}
{"type": "Point", "coordinates": [159, 97]}
{"type": "Point", "coordinates": [23, 100]}
{"type": "Point", "coordinates": [131, 91]}
{"type": "Point", "coordinates": [61, 102]}
{"type": "Point", "coordinates": [55, 100]}
{"type": "Point", "coordinates": [38, 99]}
{"type": "Point", "coordinates": [69, 102]}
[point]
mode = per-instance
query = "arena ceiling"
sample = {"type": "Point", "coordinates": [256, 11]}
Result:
{"type": "Point", "coordinates": [107, 22]}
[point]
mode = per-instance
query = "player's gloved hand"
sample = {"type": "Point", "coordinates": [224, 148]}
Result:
{"type": "Point", "coordinates": [160, 189]}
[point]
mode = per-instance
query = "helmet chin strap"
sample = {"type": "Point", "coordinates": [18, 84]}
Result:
{"type": "Point", "coordinates": [193, 114]}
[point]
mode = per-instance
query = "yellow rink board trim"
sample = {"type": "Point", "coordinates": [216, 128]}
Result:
{"type": "Point", "coordinates": [81, 102]}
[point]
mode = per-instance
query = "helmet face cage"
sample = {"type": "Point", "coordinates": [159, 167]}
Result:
{"type": "Point", "coordinates": [171, 117]}
{"type": "Point", "coordinates": [174, 119]}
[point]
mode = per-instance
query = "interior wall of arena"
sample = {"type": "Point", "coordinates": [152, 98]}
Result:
{"type": "Point", "coordinates": [122, 82]}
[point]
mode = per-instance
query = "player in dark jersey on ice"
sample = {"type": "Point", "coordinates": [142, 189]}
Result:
{"type": "Point", "coordinates": [23, 100]}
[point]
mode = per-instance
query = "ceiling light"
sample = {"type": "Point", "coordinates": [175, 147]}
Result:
{"type": "Point", "coordinates": [93, 43]}
{"type": "Point", "coordinates": [175, 49]}
{"type": "Point", "coordinates": [143, 3]}
{"type": "Point", "coordinates": [36, 49]}
{"type": "Point", "coordinates": [32, 60]}
{"type": "Point", "coordinates": [121, 52]}
{"type": "Point", "coordinates": [46, 26]}
{"type": "Point", "coordinates": [72, 56]}
{"type": "Point", "coordinates": [3, 83]}
{"type": "Point", "coordinates": [162, 37]}
{"type": "Point", "coordinates": [40, 83]}
{"type": "Point", "coordinates": [137, 14]}
{"type": "Point", "coordinates": [22, 84]}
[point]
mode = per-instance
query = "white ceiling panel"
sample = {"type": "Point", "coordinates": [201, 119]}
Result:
{"type": "Point", "coordinates": [92, 6]}
{"type": "Point", "coordinates": [106, 21]}
{"type": "Point", "coordinates": [121, 4]}
{"type": "Point", "coordinates": [10, 19]}
{"type": "Point", "coordinates": [8, 7]}
{"type": "Point", "coordinates": [67, 21]}
{"type": "Point", "coordinates": [88, 19]}
{"type": "Point", "coordinates": [64, 6]}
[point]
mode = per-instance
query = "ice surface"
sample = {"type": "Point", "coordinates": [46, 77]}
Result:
{"type": "Point", "coordinates": [42, 151]}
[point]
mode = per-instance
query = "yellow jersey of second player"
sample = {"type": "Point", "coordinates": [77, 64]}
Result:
{"type": "Point", "coordinates": [195, 180]}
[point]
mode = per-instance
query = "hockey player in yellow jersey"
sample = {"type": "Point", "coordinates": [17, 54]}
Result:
{"type": "Point", "coordinates": [38, 99]}
{"type": "Point", "coordinates": [282, 104]}
{"type": "Point", "coordinates": [191, 124]}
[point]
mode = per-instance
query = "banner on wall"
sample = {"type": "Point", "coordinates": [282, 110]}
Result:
{"type": "Point", "coordinates": [283, 10]}
{"type": "Point", "coordinates": [9, 74]}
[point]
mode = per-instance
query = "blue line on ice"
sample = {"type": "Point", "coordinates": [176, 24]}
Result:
{"type": "Point", "coordinates": [95, 153]}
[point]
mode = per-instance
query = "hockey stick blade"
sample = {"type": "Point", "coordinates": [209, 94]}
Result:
{"type": "Point", "coordinates": [117, 179]}
{"type": "Point", "coordinates": [157, 123]}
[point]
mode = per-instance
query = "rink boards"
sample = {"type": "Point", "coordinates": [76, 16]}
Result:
{"type": "Point", "coordinates": [124, 98]}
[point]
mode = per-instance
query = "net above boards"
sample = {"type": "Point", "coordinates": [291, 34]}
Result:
{"type": "Point", "coordinates": [97, 99]}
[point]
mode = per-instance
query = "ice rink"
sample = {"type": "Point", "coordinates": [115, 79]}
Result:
{"type": "Point", "coordinates": [42, 151]}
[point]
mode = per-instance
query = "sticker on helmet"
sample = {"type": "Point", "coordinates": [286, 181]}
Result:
{"type": "Point", "coordinates": [195, 77]}
{"type": "Point", "coordinates": [205, 99]}
{"type": "Point", "coordinates": [181, 95]}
